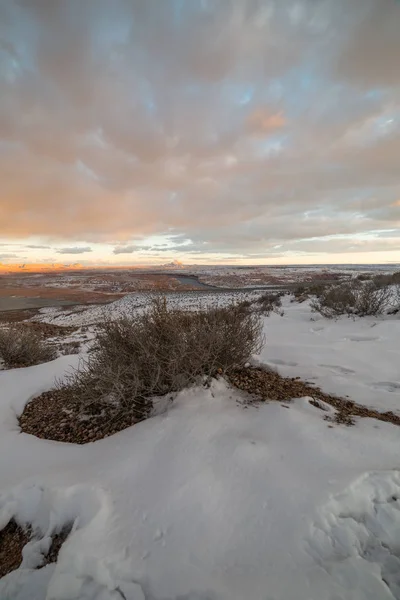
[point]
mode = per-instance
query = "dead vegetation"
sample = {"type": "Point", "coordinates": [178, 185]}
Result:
{"type": "Point", "coordinates": [358, 298]}
{"type": "Point", "coordinates": [22, 347]}
{"type": "Point", "coordinates": [136, 358]}
{"type": "Point", "coordinates": [270, 302]}
{"type": "Point", "coordinates": [161, 351]}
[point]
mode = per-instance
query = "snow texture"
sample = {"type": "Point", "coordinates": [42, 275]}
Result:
{"type": "Point", "coordinates": [215, 499]}
{"type": "Point", "coordinates": [83, 315]}
{"type": "Point", "coordinates": [357, 357]}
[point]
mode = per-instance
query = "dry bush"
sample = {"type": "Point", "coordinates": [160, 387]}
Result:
{"type": "Point", "coordinates": [22, 347]}
{"type": "Point", "coordinates": [317, 288]}
{"type": "Point", "coordinates": [303, 292]}
{"type": "Point", "coordinates": [269, 302]}
{"type": "Point", "coordinates": [299, 291]}
{"type": "Point", "coordinates": [364, 277]}
{"type": "Point", "coordinates": [353, 298]}
{"type": "Point", "coordinates": [395, 299]}
{"type": "Point", "coordinates": [162, 351]}
{"type": "Point", "coordinates": [372, 300]}
{"type": "Point", "coordinates": [385, 280]}
{"type": "Point", "coordinates": [245, 305]}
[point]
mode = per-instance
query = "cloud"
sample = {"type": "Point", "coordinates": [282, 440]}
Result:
{"type": "Point", "coordinates": [75, 250]}
{"type": "Point", "coordinates": [261, 122]}
{"type": "Point", "coordinates": [371, 47]}
{"type": "Point", "coordinates": [125, 249]}
{"type": "Point", "coordinates": [237, 125]}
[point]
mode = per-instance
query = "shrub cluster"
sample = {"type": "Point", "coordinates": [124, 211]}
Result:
{"type": "Point", "coordinates": [357, 297]}
{"type": "Point", "coordinates": [304, 291]}
{"type": "Point", "coordinates": [22, 347]}
{"type": "Point", "coordinates": [270, 301]}
{"type": "Point", "coordinates": [160, 351]}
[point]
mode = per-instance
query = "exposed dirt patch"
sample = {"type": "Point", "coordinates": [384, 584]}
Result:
{"type": "Point", "coordinates": [268, 385]}
{"type": "Point", "coordinates": [57, 541]}
{"type": "Point", "coordinates": [56, 416]}
{"type": "Point", "coordinates": [12, 539]}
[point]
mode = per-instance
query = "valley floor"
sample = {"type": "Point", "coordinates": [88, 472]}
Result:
{"type": "Point", "coordinates": [217, 499]}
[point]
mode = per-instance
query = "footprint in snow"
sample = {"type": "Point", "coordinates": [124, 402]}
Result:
{"type": "Point", "coordinates": [356, 536]}
{"type": "Point", "coordinates": [316, 329]}
{"type": "Point", "coordinates": [338, 369]}
{"type": "Point", "coordinates": [286, 363]}
{"type": "Point", "coordinates": [387, 386]}
{"type": "Point", "coordinates": [361, 338]}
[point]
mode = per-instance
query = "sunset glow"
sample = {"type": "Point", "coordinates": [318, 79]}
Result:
{"type": "Point", "coordinates": [251, 132]}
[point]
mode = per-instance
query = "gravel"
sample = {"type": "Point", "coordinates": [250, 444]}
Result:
{"type": "Point", "coordinates": [268, 385]}
{"type": "Point", "coordinates": [55, 416]}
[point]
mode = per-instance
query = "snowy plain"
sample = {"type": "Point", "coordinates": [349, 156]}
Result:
{"type": "Point", "coordinates": [214, 499]}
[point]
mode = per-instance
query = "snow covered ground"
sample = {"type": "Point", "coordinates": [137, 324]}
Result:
{"type": "Point", "coordinates": [356, 357]}
{"type": "Point", "coordinates": [212, 500]}
{"type": "Point", "coordinates": [87, 315]}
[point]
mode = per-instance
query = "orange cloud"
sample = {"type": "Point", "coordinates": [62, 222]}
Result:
{"type": "Point", "coordinates": [38, 267]}
{"type": "Point", "coordinates": [262, 121]}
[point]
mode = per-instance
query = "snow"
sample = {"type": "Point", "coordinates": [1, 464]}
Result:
{"type": "Point", "coordinates": [132, 303]}
{"type": "Point", "coordinates": [215, 499]}
{"type": "Point", "coordinates": [356, 357]}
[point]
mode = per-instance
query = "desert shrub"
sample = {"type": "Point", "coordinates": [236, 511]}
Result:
{"type": "Point", "coordinates": [353, 298]}
{"type": "Point", "coordinates": [22, 347]}
{"type": "Point", "coordinates": [70, 348]}
{"type": "Point", "coordinates": [303, 292]}
{"type": "Point", "coordinates": [160, 351]}
{"type": "Point", "coordinates": [299, 291]}
{"type": "Point", "coordinates": [245, 305]}
{"type": "Point", "coordinates": [317, 289]}
{"type": "Point", "coordinates": [269, 302]}
{"type": "Point", "coordinates": [385, 280]}
{"type": "Point", "coordinates": [372, 299]}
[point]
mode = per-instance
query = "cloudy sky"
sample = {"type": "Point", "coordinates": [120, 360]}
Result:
{"type": "Point", "coordinates": [210, 131]}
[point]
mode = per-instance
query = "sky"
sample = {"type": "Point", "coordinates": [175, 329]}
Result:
{"type": "Point", "coordinates": [206, 131]}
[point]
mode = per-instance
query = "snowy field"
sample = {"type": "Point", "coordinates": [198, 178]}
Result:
{"type": "Point", "coordinates": [83, 315]}
{"type": "Point", "coordinates": [212, 500]}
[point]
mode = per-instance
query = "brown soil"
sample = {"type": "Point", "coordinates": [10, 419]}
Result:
{"type": "Point", "coordinates": [268, 385]}
{"type": "Point", "coordinates": [13, 538]}
{"type": "Point", "coordinates": [55, 416]}
{"type": "Point", "coordinates": [57, 541]}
